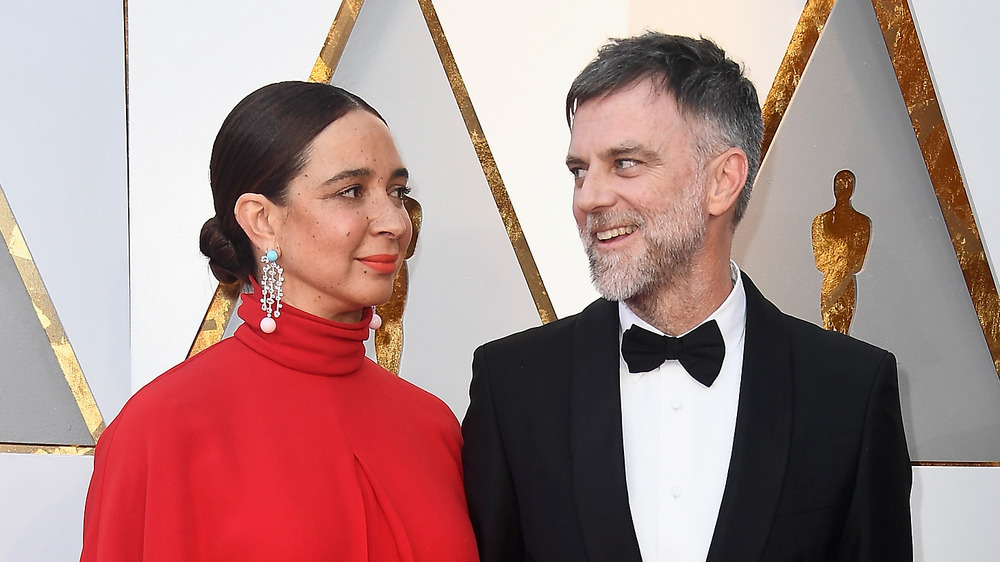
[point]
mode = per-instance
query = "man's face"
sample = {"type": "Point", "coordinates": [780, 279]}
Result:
{"type": "Point", "coordinates": [639, 198]}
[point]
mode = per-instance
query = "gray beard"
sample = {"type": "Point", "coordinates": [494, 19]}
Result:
{"type": "Point", "coordinates": [671, 241]}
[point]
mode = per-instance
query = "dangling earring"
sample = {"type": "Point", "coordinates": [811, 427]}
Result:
{"type": "Point", "coordinates": [376, 321]}
{"type": "Point", "coordinates": [270, 286]}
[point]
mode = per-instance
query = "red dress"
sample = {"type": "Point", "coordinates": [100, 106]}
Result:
{"type": "Point", "coordinates": [283, 446]}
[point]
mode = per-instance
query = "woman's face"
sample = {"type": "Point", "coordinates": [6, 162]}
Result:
{"type": "Point", "coordinates": [343, 231]}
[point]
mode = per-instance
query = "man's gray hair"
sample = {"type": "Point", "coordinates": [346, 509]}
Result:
{"type": "Point", "coordinates": [710, 90]}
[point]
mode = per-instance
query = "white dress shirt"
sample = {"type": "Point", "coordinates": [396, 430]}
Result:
{"type": "Point", "coordinates": [678, 438]}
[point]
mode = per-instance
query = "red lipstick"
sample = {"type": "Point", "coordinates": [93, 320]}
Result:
{"type": "Point", "coordinates": [382, 263]}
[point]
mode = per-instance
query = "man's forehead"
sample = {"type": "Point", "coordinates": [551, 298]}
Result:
{"type": "Point", "coordinates": [629, 118]}
{"type": "Point", "coordinates": [641, 93]}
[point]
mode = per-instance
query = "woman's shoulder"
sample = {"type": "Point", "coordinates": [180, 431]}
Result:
{"type": "Point", "coordinates": [406, 394]}
{"type": "Point", "coordinates": [187, 385]}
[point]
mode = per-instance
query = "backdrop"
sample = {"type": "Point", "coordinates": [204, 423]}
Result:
{"type": "Point", "coordinates": [108, 188]}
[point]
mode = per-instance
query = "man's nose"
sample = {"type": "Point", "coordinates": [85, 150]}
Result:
{"type": "Point", "coordinates": [594, 193]}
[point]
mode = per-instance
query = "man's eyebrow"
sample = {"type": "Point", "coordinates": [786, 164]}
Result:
{"type": "Point", "coordinates": [630, 149]}
{"type": "Point", "coordinates": [619, 151]}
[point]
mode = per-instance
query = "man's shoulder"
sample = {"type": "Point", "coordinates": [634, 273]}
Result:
{"type": "Point", "coordinates": [810, 334]}
{"type": "Point", "coordinates": [802, 333]}
{"type": "Point", "coordinates": [560, 331]}
{"type": "Point", "coordinates": [541, 361]}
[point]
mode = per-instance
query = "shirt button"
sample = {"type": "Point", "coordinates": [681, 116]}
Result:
{"type": "Point", "coordinates": [676, 404]}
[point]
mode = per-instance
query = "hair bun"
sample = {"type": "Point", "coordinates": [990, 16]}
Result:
{"type": "Point", "coordinates": [222, 255]}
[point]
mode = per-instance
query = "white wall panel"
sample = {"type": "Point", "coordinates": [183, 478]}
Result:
{"type": "Point", "coordinates": [63, 170]}
{"type": "Point", "coordinates": [961, 44]}
{"type": "Point", "coordinates": [518, 58]}
{"type": "Point", "coordinates": [190, 62]}
{"type": "Point", "coordinates": [754, 33]}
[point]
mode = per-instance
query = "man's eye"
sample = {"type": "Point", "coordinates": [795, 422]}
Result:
{"type": "Point", "coordinates": [625, 163]}
{"type": "Point", "coordinates": [578, 173]}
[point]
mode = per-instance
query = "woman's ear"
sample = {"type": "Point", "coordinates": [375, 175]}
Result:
{"type": "Point", "coordinates": [727, 175]}
{"type": "Point", "coordinates": [260, 219]}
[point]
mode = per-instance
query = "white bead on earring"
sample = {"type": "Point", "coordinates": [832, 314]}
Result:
{"type": "Point", "coordinates": [270, 286]}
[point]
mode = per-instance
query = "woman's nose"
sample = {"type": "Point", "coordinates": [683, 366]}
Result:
{"type": "Point", "coordinates": [391, 218]}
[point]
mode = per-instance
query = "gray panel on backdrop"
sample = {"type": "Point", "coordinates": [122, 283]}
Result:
{"type": "Point", "coordinates": [848, 112]}
{"type": "Point", "coordinates": [36, 404]}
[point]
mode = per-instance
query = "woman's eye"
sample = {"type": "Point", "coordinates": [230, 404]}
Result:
{"type": "Point", "coordinates": [401, 191]}
{"type": "Point", "coordinates": [353, 191]}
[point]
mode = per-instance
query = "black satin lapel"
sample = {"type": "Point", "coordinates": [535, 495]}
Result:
{"type": "Point", "coordinates": [763, 436]}
{"type": "Point", "coordinates": [596, 437]}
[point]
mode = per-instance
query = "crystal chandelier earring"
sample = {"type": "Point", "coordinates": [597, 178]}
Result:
{"type": "Point", "coordinates": [270, 286]}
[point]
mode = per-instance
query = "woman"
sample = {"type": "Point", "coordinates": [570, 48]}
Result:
{"type": "Point", "coordinates": [284, 442]}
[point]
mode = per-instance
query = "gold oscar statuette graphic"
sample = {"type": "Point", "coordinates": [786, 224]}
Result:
{"type": "Point", "coordinates": [389, 336]}
{"type": "Point", "coordinates": [840, 239]}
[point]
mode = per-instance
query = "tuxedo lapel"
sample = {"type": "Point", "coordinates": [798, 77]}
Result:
{"type": "Point", "coordinates": [596, 437]}
{"type": "Point", "coordinates": [762, 438]}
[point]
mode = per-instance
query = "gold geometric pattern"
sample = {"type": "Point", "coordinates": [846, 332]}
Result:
{"type": "Point", "coordinates": [800, 48]}
{"type": "Point", "coordinates": [61, 348]}
{"type": "Point", "coordinates": [389, 336]}
{"type": "Point", "coordinates": [528, 267]}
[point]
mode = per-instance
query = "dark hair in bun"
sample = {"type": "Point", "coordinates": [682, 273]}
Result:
{"type": "Point", "coordinates": [262, 145]}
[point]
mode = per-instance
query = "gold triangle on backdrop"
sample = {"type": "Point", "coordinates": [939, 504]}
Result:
{"type": "Point", "coordinates": [224, 300]}
{"type": "Point", "coordinates": [913, 77]}
{"type": "Point", "coordinates": [62, 351]}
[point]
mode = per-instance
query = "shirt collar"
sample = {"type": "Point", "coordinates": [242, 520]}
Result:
{"type": "Point", "coordinates": [731, 314]}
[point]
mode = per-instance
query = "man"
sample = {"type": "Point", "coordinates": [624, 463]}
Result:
{"type": "Point", "coordinates": [756, 436]}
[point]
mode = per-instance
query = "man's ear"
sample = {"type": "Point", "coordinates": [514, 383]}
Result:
{"type": "Point", "coordinates": [727, 175]}
{"type": "Point", "coordinates": [260, 219]}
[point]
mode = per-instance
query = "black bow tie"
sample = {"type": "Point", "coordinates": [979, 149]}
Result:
{"type": "Point", "coordinates": [700, 351]}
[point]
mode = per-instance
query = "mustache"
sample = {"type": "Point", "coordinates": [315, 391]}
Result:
{"type": "Point", "coordinates": [597, 222]}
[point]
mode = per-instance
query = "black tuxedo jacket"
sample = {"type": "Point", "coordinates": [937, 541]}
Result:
{"type": "Point", "coordinates": [819, 468]}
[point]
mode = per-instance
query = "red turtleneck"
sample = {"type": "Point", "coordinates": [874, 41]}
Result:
{"type": "Point", "coordinates": [283, 446]}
